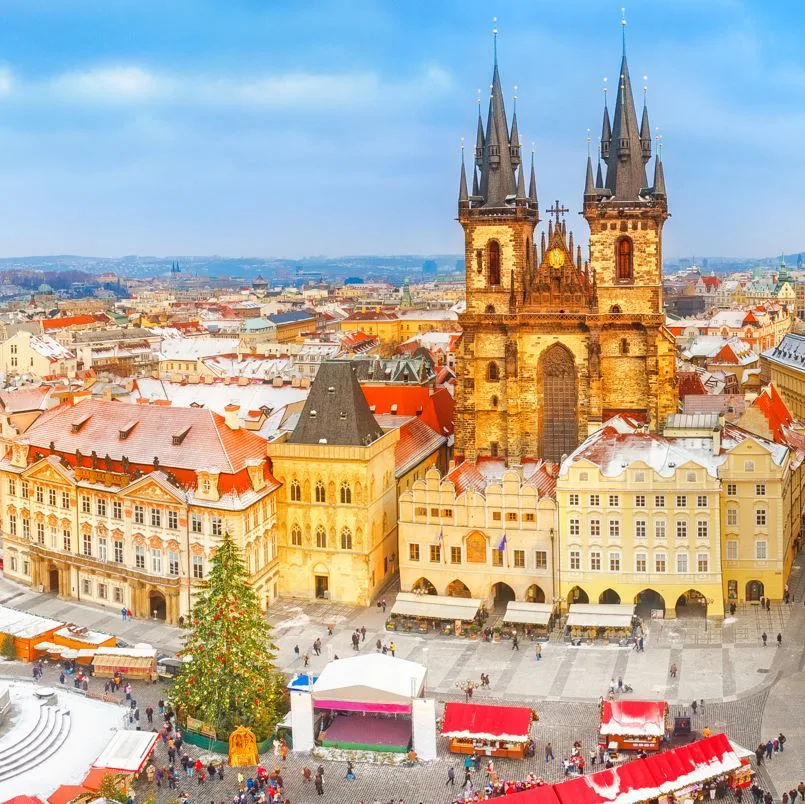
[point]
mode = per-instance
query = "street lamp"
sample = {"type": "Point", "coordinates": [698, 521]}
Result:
{"type": "Point", "coordinates": [709, 601]}
{"type": "Point", "coordinates": [467, 687]}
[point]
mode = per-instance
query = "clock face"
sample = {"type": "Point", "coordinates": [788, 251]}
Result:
{"type": "Point", "coordinates": [556, 258]}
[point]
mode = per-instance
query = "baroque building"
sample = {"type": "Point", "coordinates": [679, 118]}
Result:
{"type": "Point", "coordinates": [555, 345]}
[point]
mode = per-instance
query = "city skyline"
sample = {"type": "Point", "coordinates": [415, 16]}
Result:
{"type": "Point", "coordinates": [332, 129]}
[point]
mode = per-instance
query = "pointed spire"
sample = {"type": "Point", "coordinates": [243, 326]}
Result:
{"type": "Point", "coordinates": [479, 137]}
{"type": "Point", "coordinates": [521, 196]}
{"type": "Point", "coordinates": [659, 176]}
{"type": "Point", "coordinates": [599, 179]}
{"type": "Point", "coordinates": [606, 128]}
{"type": "Point", "coordinates": [645, 127]}
{"type": "Point", "coordinates": [532, 183]}
{"type": "Point", "coordinates": [475, 190]}
{"type": "Point", "coordinates": [589, 184]}
{"type": "Point", "coordinates": [463, 195]}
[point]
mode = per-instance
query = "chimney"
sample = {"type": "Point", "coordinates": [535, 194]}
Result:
{"type": "Point", "coordinates": [231, 417]}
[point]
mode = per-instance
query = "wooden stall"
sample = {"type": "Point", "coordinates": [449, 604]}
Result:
{"type": "Point", "coordinates": [423, 613]}
{"type": "Point", "coordinates": [610, 622]}
{"type": "Point", "coordinates": [633, 725]}
{"type": "Point", "coordinates": [493, 731]}
{"type": "Point", "coordinates": [535, 619]}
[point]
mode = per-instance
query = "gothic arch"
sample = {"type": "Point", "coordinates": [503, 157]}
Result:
{"type": "Point", "coordinates": [493, 260]}
{"type": "Point", "coordinates": [559, 425]}
{"type": "Point", "coordinates": [624, 258]}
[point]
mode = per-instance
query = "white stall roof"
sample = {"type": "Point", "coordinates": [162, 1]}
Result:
{"type": "Point", "coordinates": [528, 613]}
{"type": "Point", "coordinates": [436, 606]}
{"type": "Point", "coordinates": [132, 653]}
{"type": "Point", "coordinates": [127, 750]}
{"type": "Point", "coordinates": [374, 678]}
{"type": "Point", "coordinates": [23, 625]}
{"type": "Point", "coordinates": [602, 615]}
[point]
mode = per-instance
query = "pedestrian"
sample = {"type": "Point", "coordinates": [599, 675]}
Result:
{"type": "Point", "coordinates": [383, 604]}
{"type": "Point", "coordinates": [781, 741]}
{"type": "Point", "coordinates": [641, 649]}
{"type": "Point", "coordinates": [801, 790]}
{"type": "Point", "coordinates": [467, 779]}
{"type": "Point", "coordinates": [538, 651]}
{"type": "Point", "coordinates": [283, 750]}
{"type": "Point", "coordinates": [779, 640]}
{"type": "Point", "coordinates": [451, 777]}
{"type": "Point", "coordinates": [792, 794]}
{"type": "Point", "coordinates": [701, 705]}
{"type": "Point", "coordinates": [378, 645]}
{"type": "Point", "coordinates": [768, 604]}
{"type": "Point", "coordinates": [363, 633]}
{"type": "Point", "coordinates": [673, 671]}
{"type": "Point", "coordinates": [221, 771]}
{"type": "Point", "coordinates": [149, 715]}
{"type": "Point", "coordinates": [161, 706]}
{"type": "Point", "coordinates": [764, 637]}
{"type": "Point", "coordinates": [123, 613]}
{"type": "Point", "coordinates": [694, 706]}
{"type": "Point", "coordinates": [306, 660]}
{"type": "Point", "coordinates": [769, 749]}
{"type": "Point", "coordinates": [296, 650]}
{"type": "Point", "coordinates": [592, 758]}
{"type": "Point", "coordinates": [392, 646]}
{"type": "Point", "coordinates": [548, 752]}
{"type": "Point", "coordinates": [319, 784]}
{"type": "Point", "coordinates": [515, 643]}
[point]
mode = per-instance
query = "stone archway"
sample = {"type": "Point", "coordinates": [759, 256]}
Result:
{"type": "Point", "coordinates": [502, 593]}
{"type": "Point", "coordinates": [609, 596]}
{"type": "Point", "coordinates": [458, 588]}
{"type": "Point", "coordinates": [423, 586]}
{"type": "Point", "coordinates": [54, 578]}
{"type": "Point", "coordinates": [691, 604]}
{"type": "Point", "coordinates": [754, 591]}
{"type": "Point", "coordinates": [559, 420]}
{"type": "Point", "coordinates": [577, 595]}
{"type": "Point", "coordinates": [535, 594]}
{"type": "Point", "coordinates": [157, 605]}
{"type": "Point", "coordinates": [648, 600]}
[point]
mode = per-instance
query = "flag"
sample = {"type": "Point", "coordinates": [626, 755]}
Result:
{"type": "Point", "coordinates": [441, 546]}
{"type": "Point", "coordinates": [502, 545]}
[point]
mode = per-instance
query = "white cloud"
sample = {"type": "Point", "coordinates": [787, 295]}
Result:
{"type": "Point", "coordinates": [6, 82]}
{"type": "Point", "coordinates": [115, 84]}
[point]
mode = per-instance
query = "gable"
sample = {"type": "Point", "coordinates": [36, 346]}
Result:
{"type": "Point", "coordinates": [45, 471]}
{"type": "Point", "coordinates": [149, 489]}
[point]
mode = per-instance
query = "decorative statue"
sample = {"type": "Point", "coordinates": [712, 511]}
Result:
{"type": "Point", "coordinates": [94, 458]}
{"type": "Point", "coordinates": [156, 463]}
{"type": "Point", "coordinates": [125, 462]}
{"type": "Point", "coordinates": [108, 462]}
{"type": "Point", "coordinates": [52, 447]}
{"type": "Point", "coordinates": [78, 457]}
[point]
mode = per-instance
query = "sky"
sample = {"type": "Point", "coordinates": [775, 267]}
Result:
{"type": "Point", "coordinates": [298, 128]}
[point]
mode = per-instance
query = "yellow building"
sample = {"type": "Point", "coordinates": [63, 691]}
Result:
{"type": "Point", "coordinates": [340, 468]}
{"type": "Point", "coordinates": [481, 531]}
{"type": "Point", "coordinates": [39, 355]}
{"type": "Point", "coordinates": [123, 505]}
{"type": "Point", "coordinates": [784, 365]}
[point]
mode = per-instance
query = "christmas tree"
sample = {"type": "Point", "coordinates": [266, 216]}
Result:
{"type": "Point", "coordinates": [231, 679]}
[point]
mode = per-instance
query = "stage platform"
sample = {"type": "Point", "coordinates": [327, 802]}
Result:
{"type": "Point", "coordinates": [369, 733]}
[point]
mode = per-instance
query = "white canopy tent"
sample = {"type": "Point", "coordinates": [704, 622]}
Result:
{"type": "Point", "coordinates": [528, 613]}
{"type": "Point", "coordinates": [601, 615]}
{"type": "Point", "coordinates": [127, 751]}
{"type": "Point", "coordinates": [436, 607]}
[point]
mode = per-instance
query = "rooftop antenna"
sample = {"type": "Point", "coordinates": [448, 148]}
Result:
{"type": "Point", "coordinates": [604, 91]}
{"type": "Point", "coordinates": [588, 143]}
{"type": "Point", "coordinates": [623, 30]}
{"type": "Point", "coordinates": [645, 88]}
{"type": "Point", "coordinates": [495, 39]}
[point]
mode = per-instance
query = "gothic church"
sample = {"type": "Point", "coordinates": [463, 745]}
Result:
{"type": "Point", "coordinates": [554, 344]}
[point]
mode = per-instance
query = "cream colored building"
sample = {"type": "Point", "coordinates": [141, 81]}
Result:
{"type": "Point", "coordinates": [481, 531]}
{"type": "Point", "coordinates": [39, 355]}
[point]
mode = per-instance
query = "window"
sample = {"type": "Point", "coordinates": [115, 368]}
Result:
{"type": "Point", "coordinates": [139, 515]}
{"type": "Point", "coordinates": [156, 518]}
{"type": "Point", "coordinates": [156, 562]}
{"type": "Point", "coordinates": [139, 556]}
{"type": "Point", "coordinates": [732, 489]}
{"type": "Point", "coordinates": [732, 516]}
{"type": "Point", "coordinates": [701, 501]}
{"type": "Point", "coordinates": [497, 558]}
{"type": "Point", "coordinates": [584, 476]}
{"type": "Point", "coordinates": [614, 562]}
{"type": "Point", "coordinates": [681, 500]}
{"type": "Point", "coordinates": [86, 544]}
{"type": "Point", "coordinates": [659, 562]}
{"type": "Point", "coordinates": [117, 509]}
{"type": "Point", "coordinates": [13, 560]}
{"type": "Point", "coordinates": [100, 506]}
{"type": "Point", "coordinates": [760, 517]}
{"type": "Point", "coordinates": [732, 550]}
{"type": "Point", "coordinates": [173, 562]}
{"type": "Point", "coordinates": [52, 497]}
{"type": "Point", "coordinates": [296, 491]}
{"type": "Point", "coordinates": [595, 528]}
{"type": "Point", "coordinates": [702, 562]}
{"type": "Point", "coordinates": [117, 594]}
{"type": "Point", "coordinates": [206, 485]}
{"type": "Point", "coordinates": [702, 529]}
{"type": "Point", "coordinates": [173, 520]}
{"type": "Point", "coordinates": [85, 504]}
{"type": "Point", "coordinates": [455, 555]}
{"type": "Point", "coordinates": [511, 516]}
{"type": "Point", "coordinates": [12, 524]}
{"type": "Point", "coordinates": [346, 539]}
{"type": "Point", "coordinates": [493, 254]}
{"type": "Point", "coordinates": [682, 562]}
{"type": "Point", "coordinates": [435, 553]}
{"type": "Point", "coordinates": [541, 559]}
{"type": "Point", "coordinates": [118, 547]}
{"type": "Point", "coordinates": [595, 561]}
{"type": "Point", "coordinates": [575, 528]}
{"type": "Point", "coordinates": [640, 501]}
{"type": "Point", "coordinates": [690, 477]}
{"type": "Point", "coordinates": [346, 493]}
{"type": "Point", "coordinates": [492, 372]}
{"type": "Point", "coordinates": [12, 487]}
{"type": "Point", "coordinates": [640, 529]}
{"type": "Point", "coordinates": [321, 492]}
{"type": "Point", "coordinates": [623, 254]}
{"type": "Point", "coordinates": [493, 449]}
{"type": "Point", "coordinates": [198, 567]}
{"type": "Point", "coordinates": [24, 489]}
{"type": "Point", "coordinates": [595, 500]}
{"type": "Point", "coordinates": [53, 538]}
{"type": "Point", "coordinates": [40, 532]}
{"type": "Point", "coordinates": [519, 558]}
{"type": "Point", "coordinates": [659, 501]}
{"type": "Point", "coordinates": [413, 552]}
{"type": "Point", "coordinates": [26, 528]}
{"type": "Point", "coordinates": [760, 489]}
{"type": "Point", "coordinates": [640, 562]}
{"type": "Point", "coordinates": [573, 499]}
{"type": "Point", "coordinates": [86, 586]}
{"type": "Point", "coordinates": [749, 466]}
{"type": "Point", "coordinates": [640, 477]}
{"type": "Point", "coordinates": [575, 560]}
{"type": "Point", "coordinates": [681, 529]}
{"type": "Point", "coordinates": [216, 526]}
{"type": "Point", "coordinates": [195, 523]}
{"type": "Point", "coordinates": [528, 517]}
{"type": "Point", "coordinates": [102, 548]}
{"type": "Point", "coordinates": [447, 513]}
{"type": "Point", "coordinates": [296, 536]}
{"type": "Point", "coordinates": [67, 541]}
{"type": "Point", "coordinates": [321, 537]}
{"type": "Point", "coordinates": [102, 591]}
{"type": "Point", "coordinates": [614, 501]}
{"type": "Point", "coordinates": [495, 515]}
{"type": "Point", "coordinates": [761, 551]}
{"type": "Point", "coordinates": [614, 529]}
{"type": "Point", "coordinates": [39, 493]}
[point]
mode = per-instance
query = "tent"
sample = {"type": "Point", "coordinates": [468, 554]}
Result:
{"type": "Point", "coordinates": [127, 751]}
{"type": "Point", "coordinates": [435, 607]}
{"type": "Point", "coordinates": [371, 683]}
{"type": "Point", "coordinates": [474, 721]}
{"type": "Point", "coordinates": [633, 718]}
{"type": "Point", "coordinates": [133, 662]}
{"type": "Point", "coordinates": [528, 613]}
{"type": "Point", "coordinates": [600, 615]}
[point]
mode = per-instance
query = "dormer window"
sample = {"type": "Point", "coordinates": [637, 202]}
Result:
{"type": "Point", "coordinates": [76, 426]}
{"type": "Point", "coordinates": [126, 429]}
{"type": "Point", "coordinates": [206, 485]}
{"type": "Point", "coordinates": [177, 439]}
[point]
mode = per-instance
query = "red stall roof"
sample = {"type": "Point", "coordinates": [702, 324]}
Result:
{"type": "Point", "coordinates": [487, 722]}
{"type": "Point", "coordinates": [633, 718]}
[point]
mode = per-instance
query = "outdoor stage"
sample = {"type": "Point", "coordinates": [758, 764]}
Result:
{"type": "Point", "coordinates": [369, 733]}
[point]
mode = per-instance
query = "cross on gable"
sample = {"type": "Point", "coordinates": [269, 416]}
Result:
{"type": "Point", "coordinates": [557, 210]}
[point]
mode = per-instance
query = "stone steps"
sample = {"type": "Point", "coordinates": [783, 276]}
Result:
{"type": "Point", "coordinates": [49, 734]}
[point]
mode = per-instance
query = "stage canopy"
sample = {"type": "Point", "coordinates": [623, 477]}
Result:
{"type": "Point", "coordinates": [435, 607]}
{"type": "Point", "coordinates": [633, 718]}
{"type": "Point", "coordinates": [371, 683]}
{"type": "Point", "coordinates": [127, 751]}
{"type": "Point", "coordinates": [466, 720]}
{"type": "Point", "coordinates": [601, 615]}
{"type": "Point", "coordinates": [528, 613]}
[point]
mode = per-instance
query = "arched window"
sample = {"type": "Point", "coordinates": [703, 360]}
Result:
{"type": "Point", "coordinates": [624, 346]}
{"type": "Point", "coordinates": [296, 536]}
{"type": "Point", "coordinates": [494, 401]}
{"type": "Point", "coordinates": [490, 309]}
{"type": "Point", "coordinates": [492, 372]}
{"type": "Point", "coordinates": [346, 493]}
{"type": "Point", "coordinates": [614, 309]}
{"type": "Point", "coordinates": [296, 491]}
{"type": "Point", "coordinates": [321, 536]}
{"type": "Point", "coordinates": [624, 259]}
{"type": "Point", "coordinates": [321, 493]}
{"type": "Point", "coordinates": [346, 539]}
{"type": "Point", "coordinates": [494, 263]}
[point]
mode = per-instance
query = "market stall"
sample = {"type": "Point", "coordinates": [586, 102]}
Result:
{"type": "Point", "coordinates": [496, 731]}
{"type": "Point", "coordinates": [535, 619]}
{"type": "Point", "coordinates": [128, 662]}
{"type": "Point", "coordinates": [611, 622]}
{"type": "Point", "coordinates": [27, 630]}
{"type": "Point", "coordinates": [633, 725]}
{"type": "Point", "coordinates": [422, 613]}
{"type": "Point", "coordinates": [127, 751]}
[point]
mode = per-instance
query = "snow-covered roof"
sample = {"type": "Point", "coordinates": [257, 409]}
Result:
{"type": "Point", "coordinates": [196, 347]}
{"type": "Point", "coordinates": [374, 678]}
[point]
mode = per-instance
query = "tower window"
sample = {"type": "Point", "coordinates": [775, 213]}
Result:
{"type": "Point", "coordinates": [494, 263]}
{"type": "Point", "coordinates": [624, 346]}
{"type": "Point", "coordinates": [624, 259]}
{"type": "Point", "coordinates": [490, 309]}
{"type": "Point", "coordinates": [494, 401]}
{"type": "Point", "coordinates": [492, 372]}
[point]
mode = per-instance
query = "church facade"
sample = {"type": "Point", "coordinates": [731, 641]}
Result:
{"type": "Point", "coordinates": [555, 344]}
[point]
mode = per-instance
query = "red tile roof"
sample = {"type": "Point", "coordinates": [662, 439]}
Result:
{"type": "Point", "coordinates": [73, 321]}
{"type": "Point", "coordinates": [476, 476]}
{"type": "Point", "coordinates": [435, 407]}
{"type": "Point", "coordinates": [24, 399]}
{"type": "Point", "coordinates": [711, 282]}
{"type": "Point", "coordinates": [690, 384]}
{"type": "Point", "coordinates": [771, 405]}
{"type": "Point", "coordinates": [417, 442]}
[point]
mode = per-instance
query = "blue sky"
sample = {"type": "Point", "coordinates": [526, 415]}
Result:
{"type": "Point", "coordinates": [257, 127]}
